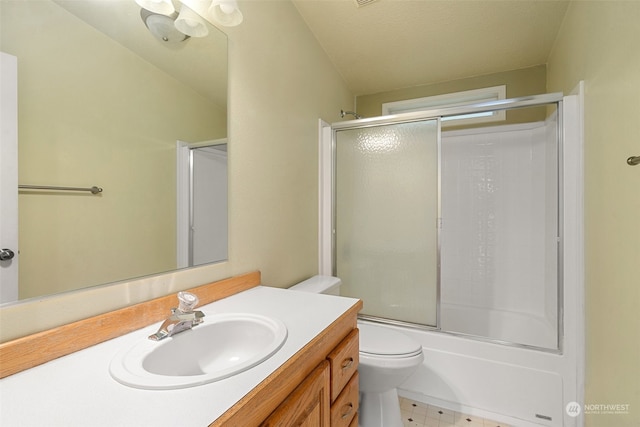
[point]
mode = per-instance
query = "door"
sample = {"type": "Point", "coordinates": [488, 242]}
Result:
{"type": "Point", "coordinates": [209, 204]}
{"type": "Point", "coordinates": [202, 202]}
{"type": "Point", "coordinates": [307, 405]}
{"type": "Point", "coordinates": [386, 210]}
{"type": "Point", "coordinates": [8, 178]}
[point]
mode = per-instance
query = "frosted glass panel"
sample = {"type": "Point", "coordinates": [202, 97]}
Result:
{"type": "Point", "coordinates": [499, 233]}
{"type": "Point", "coordinates": [386, 219]}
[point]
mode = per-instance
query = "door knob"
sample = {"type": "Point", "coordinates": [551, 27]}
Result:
{"type": "Point", "coordinates": [6, 254]}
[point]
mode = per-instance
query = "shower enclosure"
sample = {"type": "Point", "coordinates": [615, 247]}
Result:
{"type": "Point", "coordinates": [455, 234]}
{"type": "Point", "coordinates": [452, 229]}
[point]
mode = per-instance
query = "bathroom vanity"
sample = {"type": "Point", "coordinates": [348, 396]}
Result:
{"type": "Point", "coordinates": [311, 380]}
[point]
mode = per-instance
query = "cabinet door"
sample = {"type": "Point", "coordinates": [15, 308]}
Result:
{"type": "Point", "coordinates": [307, 405]}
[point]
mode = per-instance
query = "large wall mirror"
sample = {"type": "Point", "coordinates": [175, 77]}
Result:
{"type": "Point", "coordinates": [103, 102]}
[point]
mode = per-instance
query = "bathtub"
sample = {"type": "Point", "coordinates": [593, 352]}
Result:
{"type": "Point", "coordinates": [519, 386]}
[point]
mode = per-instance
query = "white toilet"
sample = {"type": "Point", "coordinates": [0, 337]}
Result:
{"type": "Point", "coordinates": [387, 359]}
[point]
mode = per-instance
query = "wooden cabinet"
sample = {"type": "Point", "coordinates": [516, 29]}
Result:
{"type": "Point", "coordinates": [308, 405]}
{"type": "Point", "coordinates": [328, 397]}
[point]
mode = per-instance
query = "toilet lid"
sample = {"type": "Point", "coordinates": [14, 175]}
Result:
{"type": "Point", "coordinates": [387, 342]}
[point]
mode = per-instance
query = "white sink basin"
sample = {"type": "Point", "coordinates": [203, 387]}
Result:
{"type": "Point", "coordinates": [222, 346]}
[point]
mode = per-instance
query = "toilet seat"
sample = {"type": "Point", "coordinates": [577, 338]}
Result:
{"type": "Point", "coordinates": [377, 341]}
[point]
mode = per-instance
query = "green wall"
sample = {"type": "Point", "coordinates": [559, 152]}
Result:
{"type": "Point", "coordinates": [527, 81]}
{"type": "Point", "coordinates": [599, 43]}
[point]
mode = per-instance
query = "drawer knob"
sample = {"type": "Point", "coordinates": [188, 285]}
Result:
{"type": "Point", "coordinates": [346, 410]}
{"type": "Point", "coordinates": [346, 363]}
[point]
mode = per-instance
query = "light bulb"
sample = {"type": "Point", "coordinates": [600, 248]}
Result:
{"type": "Point", "coordinates": [190, 23]}
{"type": "Point", "coordinates": [225, 12]}
{"type": "Point", "coordinates": [163, 7]}
{"type": "Point", "coordinates": [227, 8]}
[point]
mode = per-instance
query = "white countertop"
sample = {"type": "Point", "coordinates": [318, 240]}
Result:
{"type": "Point", "coordinates": [77, 390]}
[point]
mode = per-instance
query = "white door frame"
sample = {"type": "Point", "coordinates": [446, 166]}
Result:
{"type": "Point", "coordinates": [9, 175]}
{"type": "Point", "coordinates": [325, 201]}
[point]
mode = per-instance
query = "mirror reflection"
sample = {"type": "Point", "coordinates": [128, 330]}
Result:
{"type": "Point", "coordinates": [103, 102]}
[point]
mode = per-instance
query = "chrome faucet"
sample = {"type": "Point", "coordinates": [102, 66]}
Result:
{"type": "Point", "coordinates": [181, 319]}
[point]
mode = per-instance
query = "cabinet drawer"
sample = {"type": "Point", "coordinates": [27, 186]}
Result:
{"type": "Point", "coordinates": [346, 405]}
{"type": "Point", "coordinates": [344, 362]}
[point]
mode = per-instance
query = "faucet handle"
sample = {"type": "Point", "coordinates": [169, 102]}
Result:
{"type": "Point", "coordinates": [187, 302]}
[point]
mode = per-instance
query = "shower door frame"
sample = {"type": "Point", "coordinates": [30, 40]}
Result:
{"type": "Point", "coordinates": [328, 160]}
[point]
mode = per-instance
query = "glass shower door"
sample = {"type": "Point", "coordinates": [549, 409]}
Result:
{"type": "Point", "coordinates": [386, 218]}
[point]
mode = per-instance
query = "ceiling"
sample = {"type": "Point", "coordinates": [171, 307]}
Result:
{"type": "Point", "coordinates": [391, 44]}
{"type": "Point", "coordinates": [381, 46]}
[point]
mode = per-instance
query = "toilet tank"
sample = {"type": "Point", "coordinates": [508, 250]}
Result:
{"type": "Point", "coordinates": [319, 285]}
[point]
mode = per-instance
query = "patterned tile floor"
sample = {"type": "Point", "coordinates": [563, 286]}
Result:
{"type": "Point", "coordinates": [418, 414]}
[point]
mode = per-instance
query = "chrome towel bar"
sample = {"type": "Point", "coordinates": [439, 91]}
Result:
{"type": "Point", "coordinates": [633, 160]}
{"type": "Point", "coordinates": [93, 190]}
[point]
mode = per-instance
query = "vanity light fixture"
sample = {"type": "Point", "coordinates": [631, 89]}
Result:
{"type": "Point", "coordinates": [166, 24]}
